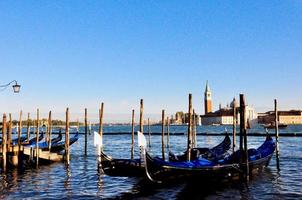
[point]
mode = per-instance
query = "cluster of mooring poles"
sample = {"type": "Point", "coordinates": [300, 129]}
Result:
{"type": "Point", "coordinates": [244, 161]}
{"type": "Point", "coordinates": [15, 152]}
{"type": "Point", "coordinates": [192, 132]}
{"type": "Point", "coordinates": [26, 150]}
{"type": "Point", "coordinates": [165, 126]}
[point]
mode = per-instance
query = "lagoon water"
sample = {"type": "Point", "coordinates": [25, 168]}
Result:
{"type": "Point", "coordinates": [82, 181]}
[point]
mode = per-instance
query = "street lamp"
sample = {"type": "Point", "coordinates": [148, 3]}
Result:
{"type": "Point", "coordinates": [16, 86]}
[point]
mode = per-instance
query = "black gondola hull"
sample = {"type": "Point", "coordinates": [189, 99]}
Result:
{"type": "Point", "coordinates": [206, 174]}
{"type": "Point", "coordinates": [205, 170]}
{"type": "Point", "coordinates": [121, 167]}
{"type": "Point", "coordinates": [134, 167]}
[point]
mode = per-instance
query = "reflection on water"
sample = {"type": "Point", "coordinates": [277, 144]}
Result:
{"type": "Point", "coordinates": [67, 178]}
{"type": "Point", "coordinates": [82, 179]}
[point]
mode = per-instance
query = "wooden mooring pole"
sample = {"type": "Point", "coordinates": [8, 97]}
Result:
{"type": "Point", "coordinates": [67, 150]}
{"type": "Point", "coordinates": [4, 145]}
{"type": "Point", "coordinates": [18, 157]}
{"type": "Point", "coordinates": [277, 136]}
{"type": "Point", "coordinates": [189, 147]}
{"type": "Point", "coordinates": [141, 122]}
{"type": "Point", "coordinates": [37, 138]}
{"type": "Point", "coordinates": [149, 133]}
{"type": "Point", "coordinates": [28, 127]}
{"type": "Point", "coordinates": [86, 132]}
{"type": "Point", "coordinates": [49, 130]}
{"type": "Point", "coordinates": [234, 125]}
{"type": "Point", "coordinates": [243, 135]}
{"type": "Point", "coordinates": [132, 138]}
{"type": "Point", "coordinates": [141, 119]}
{"type": "Point", "coordinates": [101, 115]}
{"type": "Point", "coordinates": [100, 147]}
{"type": "Point", "coordinates": [163, 134]}
{"type": "Point", "coordinates": [194, 131]}
{"type": "Point", "coordinates": [168, 134]}
{"type": "Point", "coordinates": [20, 131]}
{"type": "Point", "coordinates": [46, 132]}
{"type": "Point", "coordinates": [10, 129]}
{"type": "Point", "coordinates": [15, 154]}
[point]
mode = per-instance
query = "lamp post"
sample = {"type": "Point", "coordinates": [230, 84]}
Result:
{"type": "Point", "coordinates": [15, 85]}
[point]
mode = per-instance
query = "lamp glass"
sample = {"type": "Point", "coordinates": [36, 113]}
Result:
{"type": "Point", "coordinates": [16, 88]}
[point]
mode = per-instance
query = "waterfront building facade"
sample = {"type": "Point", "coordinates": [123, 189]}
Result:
{"type": "Point", "coordinates": [224, 116]}
{"type": "Point", "coordinates": [285, 117]}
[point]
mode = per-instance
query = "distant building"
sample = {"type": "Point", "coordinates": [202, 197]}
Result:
{"type": "Point", "coordinates": [251, 116]}
{"type": "Point", "coordinates": [207, 99]}
{"type": "Point", "coordinates": [223, 116]}
{"type": "Point", "coordinates": [285, 117]}
{"type": "Point", "coordinates": [179, 118]}
{"type": "Point", "coordinates": [183, 118]}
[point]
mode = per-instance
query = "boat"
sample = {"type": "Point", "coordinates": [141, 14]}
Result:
{"type": "Point", "coordinates": [216, 152]}
{"type": "Point", "coordinates": [54, 140]}
{"type": "Point", "coordinates": [229, 168]}
{"type": "Point", "coordinates": [272, 125]}
{"type": "Point", "coordinates": [134, 167]}
{"type": "Point", "coordinates": [57, 139]}
{"type": "Point", "coordinates": [15, 141]}
{"type": "Point", "coordinates": [56, 144]}
{"type": "Point", "coordinates": [121, 167]}
{"type": "Point", "coordinates": [33, 140]}
{"type": "Point", "coordinates": [22, 139]}
{"type": "Point", "coordinates": [60, 146]}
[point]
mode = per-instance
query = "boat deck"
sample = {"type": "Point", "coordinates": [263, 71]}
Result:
{"type": "Point", "coordinates": [31, 152]}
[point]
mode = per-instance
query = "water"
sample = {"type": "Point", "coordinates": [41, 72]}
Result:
{"type": "Point", "coordinates": [82, 181]}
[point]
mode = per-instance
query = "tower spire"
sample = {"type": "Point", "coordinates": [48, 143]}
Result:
{"type": "Point", "coordinates": [207, 87]}
{"type": "Point", "coordinates": [207, 99]}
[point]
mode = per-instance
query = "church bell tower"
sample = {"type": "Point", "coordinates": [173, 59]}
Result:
{"type": "Point", "coordinates": [207, 99]}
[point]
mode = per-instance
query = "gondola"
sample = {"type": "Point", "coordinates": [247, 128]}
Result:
{"type": "Point", "coordinates": [121, 167]}
{"type": "Point", "coordinates": [56, 144]}
{"type": "Point", "coordinates": [57, 139]}
{"type": "Point", "coordinates": [33, 140]}
{"type": "Point", "coordinates": [60, 146]}
{"type": "Point", "coordinates": [15, 141]}
{"type": "Point", "coordinates": [205, 170]}
{"type": "Point", "coordinates": [22, 139]}
{"type": "Point", "coordinates": [44, 145]}
{"type": "Point", "coordinates": [216, 152]}
{"type": "Point", "coordinates": [134, 167]}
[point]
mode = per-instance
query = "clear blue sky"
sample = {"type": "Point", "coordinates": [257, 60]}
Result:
{"type": "Point", "coordinates": [78, 53]}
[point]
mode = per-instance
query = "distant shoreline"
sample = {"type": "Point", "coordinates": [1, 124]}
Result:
{"type": "Point", "coordinates": [296, 134]}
